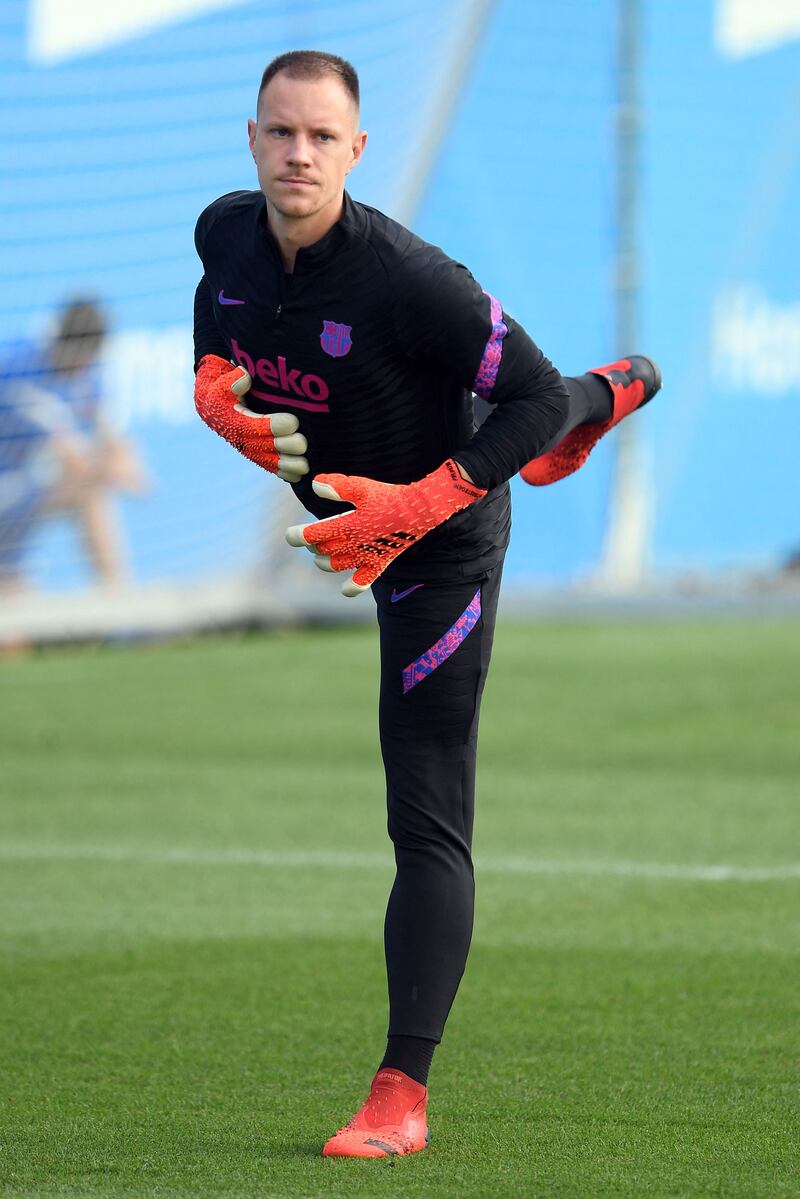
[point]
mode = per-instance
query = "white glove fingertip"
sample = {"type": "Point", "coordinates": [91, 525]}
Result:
{"type": "Point", "coordinates": [294, 536]}
{"type": "Point", "coordinates": [324, 563]}
{"type": "Point", "coordinates": [283, 423]}
{"type": "Point", "coordinates": [242, 384]}
{"type": "Point", "coordinates": [295, 443]}
{"type": "Point", "coordinates": [351, 589]}
{"type": "Point", "coordinates": [294, 464]}
{"type": "Point", "coordinates": [326, 492]}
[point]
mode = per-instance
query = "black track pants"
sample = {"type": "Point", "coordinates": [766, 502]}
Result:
{"type": "Point", "coordinates": [436, 641]}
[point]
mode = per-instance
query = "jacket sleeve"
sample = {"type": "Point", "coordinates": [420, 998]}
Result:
{"type": "Point", "coordinates": [207, 337]}
{"type": "Point", "coordinates": [444, 318]}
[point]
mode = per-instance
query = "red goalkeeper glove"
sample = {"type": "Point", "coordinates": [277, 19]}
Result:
{"type": "Point", "coordinates": [270, 440]}
{"type": "Point", "coordinates": [388, 518]}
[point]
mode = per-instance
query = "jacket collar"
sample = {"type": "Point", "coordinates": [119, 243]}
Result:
{"type": "Point", "coordinates": [311, 258]}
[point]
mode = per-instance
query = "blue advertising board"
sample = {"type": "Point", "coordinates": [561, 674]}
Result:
{"type": "Point", "coordinates": [722, 265]}
{"type": "Point", "coordinates": [117, 129]}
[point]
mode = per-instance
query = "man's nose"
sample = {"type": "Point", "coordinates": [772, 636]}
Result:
{"type": "Point", "coordinates": [300, 150]}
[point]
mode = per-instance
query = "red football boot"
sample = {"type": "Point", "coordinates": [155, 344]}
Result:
{"type": "Point", "coordinates": [391, 1122]}
{"type": "Point", "coordinates": [634, 381]}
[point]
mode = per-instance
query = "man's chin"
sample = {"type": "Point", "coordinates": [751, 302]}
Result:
{"type": "Point", "coordinates": [295, 207]}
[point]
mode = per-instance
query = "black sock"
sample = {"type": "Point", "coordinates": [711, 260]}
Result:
{"type": "Point", "coordinates": [591, 401]}
{"type": "Point", "coordinates": [599, 398]}
{"type": "Point", "coordinates": [412, 1055]}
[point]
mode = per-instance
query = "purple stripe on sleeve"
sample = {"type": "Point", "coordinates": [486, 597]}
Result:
{"type": "Point", "coordinates": [444, 647]}
{"type": "Point", "coordinates": [492, 353]}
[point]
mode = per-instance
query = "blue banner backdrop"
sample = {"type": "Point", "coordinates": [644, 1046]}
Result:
{"type": "Point", "coordinates": [111, 152]}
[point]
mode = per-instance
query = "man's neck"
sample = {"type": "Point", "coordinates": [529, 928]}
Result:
{"type": "Point", "coordinates": [293, 233]}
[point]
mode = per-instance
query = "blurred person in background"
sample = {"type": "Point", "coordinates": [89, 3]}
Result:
{"type": "Point", "coordinates": [58, 455]}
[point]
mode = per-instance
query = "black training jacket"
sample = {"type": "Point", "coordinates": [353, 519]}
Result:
{"type": "Point", "coordinates": [377, 342]}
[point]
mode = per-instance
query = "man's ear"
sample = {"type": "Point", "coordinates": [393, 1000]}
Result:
{"type": "Point", "coordinates": [251, 136]}
{"type": "Point", "coordinates": [359, 142]}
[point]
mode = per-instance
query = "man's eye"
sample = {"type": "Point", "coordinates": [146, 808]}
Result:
{"type": "Point", "coordinates": [326, 137]}
{"type": "Point", "coordinates": [279, 132]}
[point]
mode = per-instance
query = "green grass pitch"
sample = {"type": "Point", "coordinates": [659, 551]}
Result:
{"type": "Point", "coordinates": [193, 869]}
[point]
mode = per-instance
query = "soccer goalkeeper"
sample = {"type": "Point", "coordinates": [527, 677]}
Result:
{"type": "Point", "coordinates": [358, 348]}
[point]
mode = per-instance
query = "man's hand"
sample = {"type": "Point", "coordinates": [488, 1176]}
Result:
{"type": "Point", "coordinates": [388, 518]}
{"type": "Point", "coordinates": [269, 440]}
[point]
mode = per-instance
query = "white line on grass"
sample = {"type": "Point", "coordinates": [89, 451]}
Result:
{"type": "Point", "coordinates": [487, 864]}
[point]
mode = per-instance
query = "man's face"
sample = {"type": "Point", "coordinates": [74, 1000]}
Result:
{"type": "Point", "coordinates": [304, 143]}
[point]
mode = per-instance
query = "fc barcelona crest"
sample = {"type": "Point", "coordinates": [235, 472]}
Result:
{"type": "Point", "coordinates": [335, 339]}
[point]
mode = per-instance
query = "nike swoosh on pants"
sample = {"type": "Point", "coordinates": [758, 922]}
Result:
{"type": "Point", "coordinates": [398, 595]}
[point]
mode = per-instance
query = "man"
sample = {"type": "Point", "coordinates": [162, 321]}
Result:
{"type": "Point", "coordinates": [58, 456]}
{"type": "Point", "coordinates": [358, 348]}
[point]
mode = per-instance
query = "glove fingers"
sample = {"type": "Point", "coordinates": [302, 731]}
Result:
{"type": "Point", "coordinates": [293, 473]}
{"type": "Point", "coordinates": [365, 576]}
{"type": "Point", "coordinates": [343, 561]}
{"type": "Point", "coordinates": [348, 489]}
{"type": "Point", "coordinates": [312, 535]}
{"type": "Point", "coordinates": [242, 384]}
{"type": "Point", "coordinates": [325, 491]}
{"type": "Point", "coordinates": [280, 425]}
{"type": "Point", "coordinates": [294, 465]}
{"type": "Point", "coordinates": [284, 453]}
{"type": "Point", "coordinates": [295, 443]}
{"type": "Point", "coordinates": [245, 411]}
{"type": "Point", "coordinates": [295, 535]}
{"type": "Point", "coordinates": [325, 531]}
{"type": "Point", "coordinates": [351, 588]}
{"type": "Point", "coordinates": [283, 423]}
{"type": "Point", "coordinates": [270, 440]}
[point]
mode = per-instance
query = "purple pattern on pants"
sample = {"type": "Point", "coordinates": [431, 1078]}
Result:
{"type": "Point", "coordinates": [447, 644]}
{"type": "Point", "coordinates": [492, 353]}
